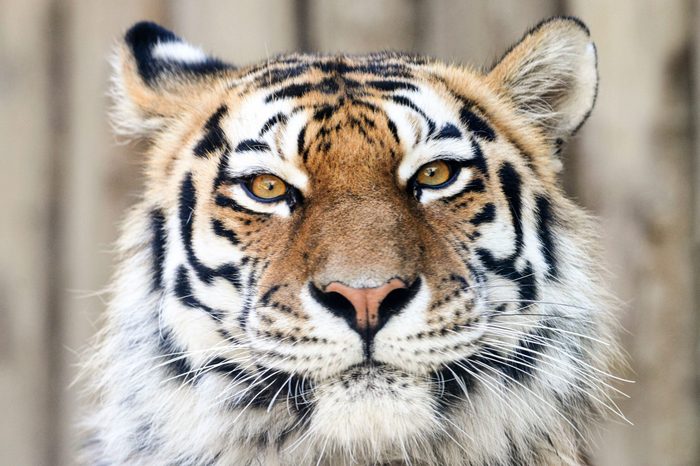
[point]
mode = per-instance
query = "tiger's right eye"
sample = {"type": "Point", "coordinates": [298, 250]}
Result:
{"type": "Point", "coordinates": [266, 188]}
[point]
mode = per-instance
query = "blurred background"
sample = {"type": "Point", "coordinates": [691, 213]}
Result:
{"type": "Point", "coordinates": [66, 181]}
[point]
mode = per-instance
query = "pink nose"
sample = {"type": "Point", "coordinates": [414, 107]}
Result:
{"type": "Point", "coordinates": [366, 301]}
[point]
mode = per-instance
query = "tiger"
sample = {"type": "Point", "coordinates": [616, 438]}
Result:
{"type": "Point", "coordinates": [353, 260]}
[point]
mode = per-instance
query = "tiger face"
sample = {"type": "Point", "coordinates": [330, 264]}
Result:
{"type": "Point", "coordinates": [368, 253]}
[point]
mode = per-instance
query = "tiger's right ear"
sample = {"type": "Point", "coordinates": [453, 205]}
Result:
{"type": "Point", "coordinates": [157, 76]}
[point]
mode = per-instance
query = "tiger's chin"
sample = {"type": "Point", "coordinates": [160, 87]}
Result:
{"type": "Point", "coordinates": [374, 409]}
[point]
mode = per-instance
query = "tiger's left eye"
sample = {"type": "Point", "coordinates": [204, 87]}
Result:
{"type": "Point", "coordinates": [267, 187]}
{"type": "Point", "coordinates": [434, 174]}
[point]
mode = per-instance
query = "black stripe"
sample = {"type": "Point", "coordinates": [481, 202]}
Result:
{"type": "Point", "coordinates": [503, 267]}
{"type": "Point", "coordinates": [225, 367]}
{"type": "Point", "coordinates": [300, 143]}
{"type": "Point", "coordinates": [289, 92]}
{"type": "Point", "coordinates": [527, 286]}
{"type": "Point", "coordinates": [188, 203]}
{"type": "Point", "coordinates": [451, 381]}
{"type": "Point", "coordinates": [174, 358]}
{"type": "Point", "coordinates": [383, 69]}
{"type": "Point", "coordinates": [325, 86]}
{"type": "Point", "coordinates": [214, 138]}
{"type": "Point", "coordinates": [265, 298]}
{"type": "Point", "coordinates": [478, 160]}
{"type": "Point", "coordinates": [183, 292]}
{"type": "Point", "coordinates": [449, 131]}
{"type": "Point", "coordinates": [275, 75]}
{"type": "Point", "coordinates": [511, 186]}
{"type": "Point", "coordinates": [221, 171]}
{"type": "Point", "coordinates": [390, 86]}
{"type": "Point", "coordinates": [521, 364]}
{"type": "Point", "coordinates": [252, 145]}
{"type": "Point", "coordinates": [368, 121]}
{"type": "Point", "coordinates": [324, 112]}
{"type": "Point", "coordinates": [352, 87]}
{"type": "Point", "coordinates": [486, 215]}
{"type": "Point", "coordinates": [393, 129]}
{"type": "Point", "coordinates": [229, 272]}
{"type": "Point", "coordinates": [247, 301]}
{"type": "Point", "coordinates": [406, 102]}
{"type": "Point", "coordinates": [272, 121]}
{"type": "Point", "coordinates": [158, 244]}
{"type": "Point", "coordinates": [380, 68]}
{"type": "Point", "coordinates": [290, 389]}
{"type": "Point", "coordinates": [525, 280]}
{"type": "Point", "coordinates": [544, 227]}
{"type": "Point", "coordinates": [476, 124]}
{"type": "Point", "coordinates": [224, 232]}
{"type": "Point", "coordinates": [367, 105]}
{"type": "Point", "coordinates": [475, 185]}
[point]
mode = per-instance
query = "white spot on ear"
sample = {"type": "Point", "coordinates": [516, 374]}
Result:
{"type": "Point", "coordinates": [178, 51]}
{"type": "Point", "coordinates": [590, 49]}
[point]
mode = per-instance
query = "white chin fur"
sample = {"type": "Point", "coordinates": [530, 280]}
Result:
{"type": "Point", "coordinates": [372, 408]}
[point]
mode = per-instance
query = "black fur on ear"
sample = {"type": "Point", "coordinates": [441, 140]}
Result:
{"type": "Point", "coordinates": [158, 76]}
{"type": "Point", "coordinates": [157, 50]}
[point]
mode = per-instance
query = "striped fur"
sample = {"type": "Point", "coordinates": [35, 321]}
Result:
{"type": "Point", "coordinates": [218, 351]}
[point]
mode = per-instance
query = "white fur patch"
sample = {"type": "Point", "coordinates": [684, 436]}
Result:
{"type": "Point", "coordinates": [178, 51]}
{"type": "Point", "coordinates": [373, 412]}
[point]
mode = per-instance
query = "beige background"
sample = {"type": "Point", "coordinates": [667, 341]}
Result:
{"type": "Point", "coordinates": [66, 181]}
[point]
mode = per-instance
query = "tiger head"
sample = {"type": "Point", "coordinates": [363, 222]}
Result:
{"type": "Point", "coordinates": [371, 253]}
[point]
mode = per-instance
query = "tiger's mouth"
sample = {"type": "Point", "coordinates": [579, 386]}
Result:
{"type": "Point", "coordinates": [374, 380]}
{"type": "Point", "coordinates": [369, 369]}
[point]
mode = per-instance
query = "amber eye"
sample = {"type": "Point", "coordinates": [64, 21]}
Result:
{"type": "Point", "coordinates": [267, 187]}
{"type": "Point", "coordinates": [434, 174]}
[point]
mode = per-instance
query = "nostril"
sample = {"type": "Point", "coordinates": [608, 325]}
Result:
{"type": "Point", "coordinates": [334, 302]}
{"type": "Point", "coordinates": [396, 301]}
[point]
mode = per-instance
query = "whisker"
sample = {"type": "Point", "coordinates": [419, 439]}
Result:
{"type": "Point", "coordinates": [493, 388]}
{"type": "Point", "coordinates": [537, 301]}
{"type": "Point", "coordinates": [535, 395]}
{"type": "Point", "coordinates": [503, 360]}
{"type": "Point", "coordinates": [553, 362]}
{"type": "Point", "coordinates": [544, 341]}
{"type": "Point", "coordinates": [444, 431]}
{"type": "Point", "coordinates": [532, 325]}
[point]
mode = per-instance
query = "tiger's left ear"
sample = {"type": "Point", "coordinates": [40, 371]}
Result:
{"type": "Point", "coordinates": [156, 77]}
{"type": "Point", "coordinates": [551, 76]}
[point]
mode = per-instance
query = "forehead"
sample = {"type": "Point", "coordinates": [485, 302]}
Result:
{"type": "Point", "coordinates": [300, 108]}
{"type": "Point", "coordinates": [302, 81]}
